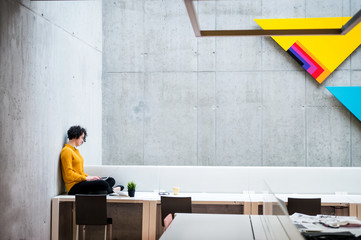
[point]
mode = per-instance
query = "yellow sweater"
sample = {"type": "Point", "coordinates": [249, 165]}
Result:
{"type": "Point", "coordinates": [72, 166]}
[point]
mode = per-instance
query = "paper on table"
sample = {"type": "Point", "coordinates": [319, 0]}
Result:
{"type": "Point", "coordinates": [339, 221]}
{"type": "Point", "coordinates": [311, 222]}
{"type": "Point", "coordinates": [306, 223]}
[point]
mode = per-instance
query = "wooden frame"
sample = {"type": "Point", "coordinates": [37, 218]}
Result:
{"type": "Point", "coordinates": [259, 32]}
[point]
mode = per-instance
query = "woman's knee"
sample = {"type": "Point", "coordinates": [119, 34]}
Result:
{"type": "Point", "coordinates": [110, 181]}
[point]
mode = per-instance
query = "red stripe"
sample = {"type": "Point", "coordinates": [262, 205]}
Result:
{"type": "Point", "coordinates": [319, 69]}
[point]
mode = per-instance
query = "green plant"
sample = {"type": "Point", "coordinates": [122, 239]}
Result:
{"type": "Point", "coordinates": [131, 186]}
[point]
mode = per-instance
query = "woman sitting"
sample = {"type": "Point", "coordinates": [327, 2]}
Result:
{"type": "Point", "coordinates": [76, 181]}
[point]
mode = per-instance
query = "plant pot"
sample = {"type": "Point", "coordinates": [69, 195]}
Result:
{"type": "Point", "coordinates": [131, 193]}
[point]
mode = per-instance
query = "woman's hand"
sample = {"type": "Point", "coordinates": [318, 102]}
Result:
{"type": "Point", "coordinates": [92, 178]}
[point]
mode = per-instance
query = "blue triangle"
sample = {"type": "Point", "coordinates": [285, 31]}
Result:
{"type": "Point", "coordinates": [350, 97]}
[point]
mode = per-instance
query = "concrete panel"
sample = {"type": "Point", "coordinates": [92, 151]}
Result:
{"type": "Point", "coordinates": [206, 13]}
{"type": "Point", "coordinates": [346, 8]}
{"type": "Point", "coordinates": [238, 119]}
{"type": "Point", "coordinates": [283, 137]}
{"type": "Point", "coordinates": [283, 9]}
{"type": "Point", "coordinates": [170, 125]}
{"type": "Point", "coordinates": [356, 78]}
{"type": "Point", "coordinates": [318, 95]}
{"type": "Point", "coordinates": [321, 8]}
{"type": "Point", "coordinates": [355, 126]}
{"type": "Point", "coordinates": [75, 19]}
{"type": "Point", "coordinates": [355, 142]}
{"type": "Point", "coordinates": [123, 111]}
{"type": "Point", "coordinates": [237, 14]}
{"type": "Point", "coordinates": [206, 54]}
{"type": "Point", "coordinates": [77, 91]}
{"type": "Point", "coordinates": [206, 119]}
{"type": "Point", "coordinates": [49, 80]}
{"type": "Point", "coordinates": [283, 120]}
{"type": "Point", "coordinates": [284, 88]}
{"type": "Point", "coordinates": [238, 54]}
{"type": "Point", "coordinates": [169, 39]}
{"type": "Point", "coordinates": [356, 59]}
{"type": "Point", "coordinates": [124, 39]}
{"type": "Point", "coordinates": [355, 6]}
{"type": "Point", "coordinates": [206, 47]}
{"type": "Point", "coordinates": [328, 136]}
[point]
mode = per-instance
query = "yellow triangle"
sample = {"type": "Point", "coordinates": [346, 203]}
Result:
{"type": "Point", "coordinates": [328, 50]}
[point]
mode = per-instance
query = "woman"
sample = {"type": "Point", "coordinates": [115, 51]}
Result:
{"type": "Point", "coordinates": [76, 181]}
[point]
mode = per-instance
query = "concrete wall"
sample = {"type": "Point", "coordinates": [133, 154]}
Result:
{"type": "Point", "coordinates": [172, 99]}
{"type": "Point", "coordinates": [50, 79]}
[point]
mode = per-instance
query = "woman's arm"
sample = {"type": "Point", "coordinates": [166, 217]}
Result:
{"type": "Point", "coordinates": [92, 178]}
{"type": "Point", "coordinates": [69, 173]}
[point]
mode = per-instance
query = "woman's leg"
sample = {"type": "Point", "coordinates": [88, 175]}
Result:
{"type": "Point", "coordinates": [87, 187]}
{"type": "Point", "coordinates": [110, 181]}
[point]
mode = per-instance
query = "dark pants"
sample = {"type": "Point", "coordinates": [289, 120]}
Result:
{"type": "Point", "coordinates": [96, 186]}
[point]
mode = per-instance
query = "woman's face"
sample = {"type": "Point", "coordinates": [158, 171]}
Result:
{"type": "Point", "coordinates": [79, 141]}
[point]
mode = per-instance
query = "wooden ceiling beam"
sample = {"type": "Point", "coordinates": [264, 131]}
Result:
{"type": "Point", "coordinates": [356, 19]}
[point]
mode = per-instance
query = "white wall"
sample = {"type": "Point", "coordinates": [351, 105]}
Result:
{"type": "Point", "coordinates": [235, 179]}
{"type": "Point", "coordinates": [50, 79]}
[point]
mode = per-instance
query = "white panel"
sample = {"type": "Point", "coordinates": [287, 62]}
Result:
{"type": "Point", "coordinates": [235, 179]}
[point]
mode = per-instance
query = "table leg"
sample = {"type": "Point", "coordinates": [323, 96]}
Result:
{"type": "Point", "coordinates": [247, 208]}
{"type": "Point", "coordinates": [254, 208]}
{"type": "Point", "coordinates": [145, 221]}
{"type": "Point", "coordinates": [152, 220]}
{"type": "Point", "coordinates": [74, 222]}
{"type": "Point", "coordinates": [268, 208]}
{"type": "Point", "coordinates": [352, 210]}
{"type": "Point", "coordinates": [359, 211]}
{"type": "Point", "coordinates": [55, 219]}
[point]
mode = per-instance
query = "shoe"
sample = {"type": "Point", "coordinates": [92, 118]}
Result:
{"type": "Point", "coordinates": [113, 194]}
{"type": "Point", "coordinates": [120, 186]}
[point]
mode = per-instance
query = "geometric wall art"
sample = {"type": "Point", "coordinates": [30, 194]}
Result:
{"type": "Point", "coordinates": [350, 97]}
{"type": "Point", "coordinates": [319, 55]}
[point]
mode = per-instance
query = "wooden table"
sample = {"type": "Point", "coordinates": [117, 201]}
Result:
{"type": "Point", "coordinates": [149, 201]}
{"type": "Point", "coordinates": [249, 201]}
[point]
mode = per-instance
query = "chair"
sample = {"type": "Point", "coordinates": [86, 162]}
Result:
{"type": "Point", "coordinates": [309, 206]}
{"type": "Point", "coordinates": [171, 205]}
{"type": "Point", "coordinates": [91, 210]}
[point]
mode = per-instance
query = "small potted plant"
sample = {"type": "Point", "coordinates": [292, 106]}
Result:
{"type": "Point", "coordinates": [131, 188]}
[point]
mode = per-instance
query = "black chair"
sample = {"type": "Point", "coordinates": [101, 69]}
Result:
{"type": "Point", "coordinates": [171, 205]}
{"type": "Point", "coordinates": [309, 206]}
{"type": "Point", "coordinates": [91, 210]}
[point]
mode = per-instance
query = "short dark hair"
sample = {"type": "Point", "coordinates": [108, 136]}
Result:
{"type": "Point", "coordinates": [76, 132]}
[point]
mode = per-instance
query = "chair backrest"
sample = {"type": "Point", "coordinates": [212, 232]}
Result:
{"type": "Point", "coordinates": [90, 209]}
{"type": "Point", "coordinates": [175, 205]}
{"type": "Point", "coordinates": [309, 206]}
